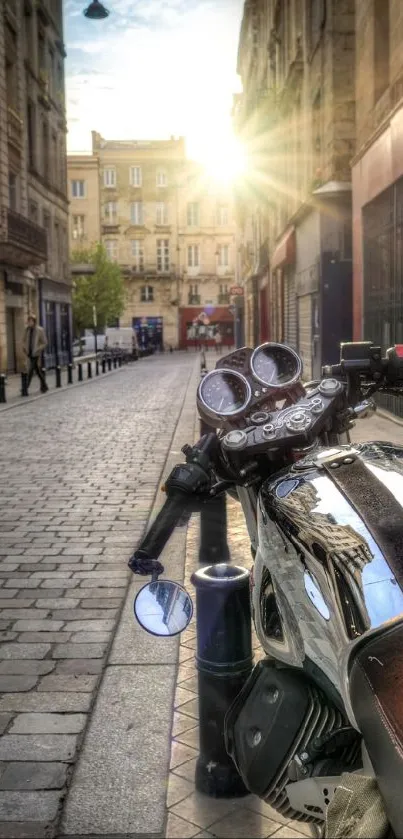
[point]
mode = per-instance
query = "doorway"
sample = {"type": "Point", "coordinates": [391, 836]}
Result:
{"type": "Point", "coordinates": [11, 340]}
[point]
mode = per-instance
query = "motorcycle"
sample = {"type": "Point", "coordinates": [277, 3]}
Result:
{"type": "Point", "coordinates": [324, 519]}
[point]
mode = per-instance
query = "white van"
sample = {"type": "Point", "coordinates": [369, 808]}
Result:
{"type": "Point", "coordinates": [123, 337]}
{"type": "Point", "coordinates": [86, 344]}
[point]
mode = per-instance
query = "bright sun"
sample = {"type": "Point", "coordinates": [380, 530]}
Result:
{"type": "Point", "coordinates": [225, 162]}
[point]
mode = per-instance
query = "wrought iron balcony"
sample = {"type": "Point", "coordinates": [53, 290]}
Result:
{"type": "Point", "coordinates": [22, 243]}
{"type": "Point", "coordinates": [194, 300]}
{"type": "Point", "coordinates": [223, 299]}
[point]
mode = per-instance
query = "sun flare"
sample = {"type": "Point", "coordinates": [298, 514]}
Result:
{"type": "Point", "coordinates": [224, 162]}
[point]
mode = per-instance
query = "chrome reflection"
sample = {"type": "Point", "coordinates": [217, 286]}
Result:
{"type": "Point", "coordinates": [163, 608]}
{"type": "Point", "coordinates": [331, 580]}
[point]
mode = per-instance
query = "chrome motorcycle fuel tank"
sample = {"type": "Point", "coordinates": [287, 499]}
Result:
{"type": "Point", "coordinates": [321, 581]}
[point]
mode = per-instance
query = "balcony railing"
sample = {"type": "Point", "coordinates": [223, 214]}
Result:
{"type": "Point", "coordinates": [22, 243]}
{"type": "Point", "coordinates": [223, 299]}
{"type": "Point", "coordinates": [194, 300]}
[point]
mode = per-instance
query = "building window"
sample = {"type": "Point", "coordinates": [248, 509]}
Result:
{"type": "Point", "coordinates": [316, 13]}
{"type": "Point", "coordinates": [223, 256]}
{"type": "Point", "coordinates": [45, 150]}
{"type": "Point", "coordinates": [135, 176]}
{"type": "Point", "coordinates": [47, 226]}
{"type": "Point", "coordinates": [194, 297]}
{"type": "Point", "coordinates": [111, 247]}
{"type": "Point", "coordinates": [136, 212]}
{"type": "Point", "coordinates": [381, 47]}
{"type": "Point", "coordinates": [31, 131]}
{"type": "Point", "coordinates": [110, 177]}
{"type": "Point", "coordinates": [78, 227]}
{"type": "Point", "coordinates": [223, 296]}
{"type": "Point", "coordinates": [78, 189]}
{"type": "Point", "coordinates": [222, 215]}
{"type": "Point", "coordinates": [162, 212]}
{"type": "Point", "coordinates": [138, 254]}
{"type": "Point", "coordinates": [192, 214]}
{"type": "Point", "coordinates": [161, 178]}
{"type": "Point", "coordinates": [110, 212]}
{"type": "Point", "coordinates": [13, 191]}
{"type": "Point", "coordinates": [162, 255]}
{"type": "Point", "coordinates": [193, 256]}
{"type": "Point", "coordinates": [147, 294]}
{"type": "Point", "coordinates": [54, 162]}
{"type": "Point", "coordinates": [33, 211]}
{"type": "Point", "coordinates": [11, 67]}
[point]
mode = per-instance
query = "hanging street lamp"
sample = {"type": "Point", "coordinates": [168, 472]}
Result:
{"type": "Point", "coordinates": [96, 11]}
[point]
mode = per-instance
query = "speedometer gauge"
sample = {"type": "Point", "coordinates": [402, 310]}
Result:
{"type": "Point", "coordinates": [224, 393]}
{"type": "Point", "coordinates": [275, 365]}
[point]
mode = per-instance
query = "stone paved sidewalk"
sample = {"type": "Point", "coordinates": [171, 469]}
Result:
{"type": "Point", "coordinates": [78, 479]}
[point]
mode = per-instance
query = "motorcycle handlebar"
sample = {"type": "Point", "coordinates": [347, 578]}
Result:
{"type": "Point", "coordinates": [162, 528]}
{"type": "Point", "coordinates": [364, 359]}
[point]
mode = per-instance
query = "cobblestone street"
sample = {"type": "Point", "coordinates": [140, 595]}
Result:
{"type": "Point", "coordinates": [79, 472]}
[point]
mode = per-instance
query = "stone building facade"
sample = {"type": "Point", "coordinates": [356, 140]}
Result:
{"type": "Point", "coordinates": [170, 230]}
{"type": "Point", "coordinates": [297, 116]}
{"type": "Point", "coordinates": [377, 177]}
{"type": "Point", "coordinates": [34, 272]}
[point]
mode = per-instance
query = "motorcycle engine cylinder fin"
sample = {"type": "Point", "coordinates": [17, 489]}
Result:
{"type": "Point", "coordinates": [275, 718]}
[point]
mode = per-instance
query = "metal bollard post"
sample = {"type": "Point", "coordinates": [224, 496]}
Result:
{"type": "Point", "coordinates": [213, 525]}
{"type": "Point", "coordinates": [89, 369]}
{"type": "Point", "coordinates": [58, 376]}
{"type": "Point", "coordinates": [44, 373]}
{"type": "Point", "coordinates": [114, 362]}
{"type": "Point", "coordinates": [24, 384]}
{"type": "Point", "coordinates": [69, 374]}
{"type": "Point", "coordinates": [109, 363]}
{"type": "Point", "coordinates": [224, 662]}
{"type": "Point", "coordinates": [3, 388]}
{"type": "Point", "coordinates": [120, 361]}
{"type": "Point", "coordinates": [80, 372]}
{"type": "Point", "coordinates": [103, 365]}
{"type": "Point", "coordinates": [97, 368]}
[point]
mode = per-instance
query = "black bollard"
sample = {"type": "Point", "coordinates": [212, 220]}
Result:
{"type": "Point", "coordinates": [80, 372]}
{"type": "Point", "coordinates": [114, 362]}
{"type": "Point", "coordinates": [97, 368]}
{"type": "Point", "coordinates": [120, 361]}
{"type": "Point", "coordinates": [3, 388]}
{"type": "Point", "coordinates": [103, 365]}
{"type": "Point", "coordinates": [69, 374]}
{"type": "Point", "coordinates": [24, 384]}
{"type": "Point", "coordinates": [224, 662]}
{"type": "Point", "coordinates": [89, 369]}
{"type": "Point", "coordinates": [58, 376]}
{"type": "Point", "coordinates": [109, 363]}
{"type": "Point", "coordinates": [213, 545]}
{"type": "Point", "coordinates": [44, 373]}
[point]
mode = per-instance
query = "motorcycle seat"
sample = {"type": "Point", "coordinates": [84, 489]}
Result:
{"type": "Point", "coordinates": [376, 692]}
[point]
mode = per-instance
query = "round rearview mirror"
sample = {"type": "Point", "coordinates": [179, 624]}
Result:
{"type": "Point", "coordinates": [163, 608]}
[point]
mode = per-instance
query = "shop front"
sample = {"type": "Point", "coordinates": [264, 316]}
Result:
{"type": "Point", "coordinates": [283, 290]}
{"type": "Point", "coordinates": [199, 326]}
{"type": "Point", "coordinates": [377, 177]}
{"type": "Point", "coordinates": [56, 318]}
{"type": "Point", "coordinates": [150, 333]}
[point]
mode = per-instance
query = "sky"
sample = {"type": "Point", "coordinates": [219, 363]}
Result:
{"type": "Point", "coordinates": [153, 69]}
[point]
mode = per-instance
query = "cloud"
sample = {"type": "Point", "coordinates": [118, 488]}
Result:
{"type": "Point", "coordinates": [153, 68]}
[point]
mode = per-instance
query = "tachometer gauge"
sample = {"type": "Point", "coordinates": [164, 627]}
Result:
{"type": "Point", "coordinates": [224, 393]}
{"type": "Point", "coordinates": [275, 365]}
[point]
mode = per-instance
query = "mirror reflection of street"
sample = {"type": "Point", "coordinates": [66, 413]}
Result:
{"type": "Point", "coordinates": [163, 608]}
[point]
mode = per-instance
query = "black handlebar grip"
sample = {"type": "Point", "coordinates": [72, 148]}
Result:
{"type": "Point", "coordinates": [163, 526]}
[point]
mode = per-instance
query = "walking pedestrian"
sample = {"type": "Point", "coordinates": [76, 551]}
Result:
{"type": "Point", "coordinates": [34, 344]}
{"type": "Point", "coordinates": [218, 342]}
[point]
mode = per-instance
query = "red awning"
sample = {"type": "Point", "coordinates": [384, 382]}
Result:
{"type": "Point", "coordinates": [284, 253]}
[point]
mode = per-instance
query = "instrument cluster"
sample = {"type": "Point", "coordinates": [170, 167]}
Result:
{"type": "Point", "coordinates": [248, 379]}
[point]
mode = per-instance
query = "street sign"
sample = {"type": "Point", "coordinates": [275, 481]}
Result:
{"type": "Point", "coordinates": [237, 290]}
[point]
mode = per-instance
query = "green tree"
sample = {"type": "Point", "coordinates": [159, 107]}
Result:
{"type": "Point", "coordinates": [102, 289]}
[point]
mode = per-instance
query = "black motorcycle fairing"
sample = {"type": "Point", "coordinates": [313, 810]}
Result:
{"type": "Point", "coordinates": [376, 685]}
{"type": "Point", "coordinates": [278, 714]}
